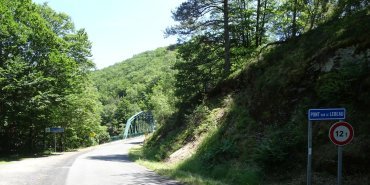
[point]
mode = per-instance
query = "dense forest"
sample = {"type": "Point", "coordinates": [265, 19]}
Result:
{"type": "Point", "coordinates": [44, 80]}
{"type": "Point", "coordinates": [144, 82]}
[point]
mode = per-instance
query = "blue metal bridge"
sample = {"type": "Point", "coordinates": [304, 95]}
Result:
{"type": "Point", "coordinates": [138, 124]}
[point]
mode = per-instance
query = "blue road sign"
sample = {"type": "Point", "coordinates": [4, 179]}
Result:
{"type": "Point", "coordinates": [327, 114]}
{"type": "Point", "coordinates": [56, 130]}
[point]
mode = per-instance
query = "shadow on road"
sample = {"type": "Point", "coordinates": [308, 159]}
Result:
{"type": "Point", "coordinates": [112, 158]}
{"type": "Point", "coordinates": [135, 142]}
{"type": "Point", "coordinates": [147, 178]}
{"type": "Point", "coordinates": [19, 157]}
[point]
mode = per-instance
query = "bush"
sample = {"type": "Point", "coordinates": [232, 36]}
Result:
{"type": "Point", "coordinates": [278, 149]}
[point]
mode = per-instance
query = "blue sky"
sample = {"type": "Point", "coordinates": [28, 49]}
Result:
{"type": "Point", "coordinates": [119, 29]}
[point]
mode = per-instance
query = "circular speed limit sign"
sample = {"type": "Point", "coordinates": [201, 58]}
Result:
{"type": "Point", "coordinates": [341, 133]}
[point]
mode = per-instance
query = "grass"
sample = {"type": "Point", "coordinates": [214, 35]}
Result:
{"type": "Point", "coordinates": [171, 170]}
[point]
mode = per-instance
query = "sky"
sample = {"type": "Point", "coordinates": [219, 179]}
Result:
{"type": "Point", "coordinates": [119, 29]}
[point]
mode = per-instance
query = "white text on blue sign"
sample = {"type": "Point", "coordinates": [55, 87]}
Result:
{"type": "Point", "coordinates": [327, 114]}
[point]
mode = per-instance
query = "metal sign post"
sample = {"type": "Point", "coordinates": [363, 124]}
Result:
{"type": "Point", "coordinates": [309, 154]}
{"type": "Point", "coordinates": [340, 166]}
{"type": "Point", "coordinates": [55, 130]}
{"type": "Point", "coordinates": [319, 115]}
{"type": "Point", "coordinates": [55, 142]}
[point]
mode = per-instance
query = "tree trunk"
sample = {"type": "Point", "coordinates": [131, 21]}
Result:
{"type": "Point", "coordinates": [262, 28]}
{"type": "Point", "coordinates": [227, 65]}
{"type": "Point", "coordinates": [243, 27]}
{"type": "Point", "coordinates": [246, 42]}
{"type": "Point", "coordinates": [294, 21]}
{"type": "Point", "coordinates": [258, 22]}
{"type": "Point", "coordinates": [313, 13]}
{"type": "Point", "coordinates": [44, 138]}
{"type": "Point", "coordinates": [30, 141]}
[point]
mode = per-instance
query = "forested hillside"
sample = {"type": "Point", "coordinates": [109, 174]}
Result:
{"type": "Point", "coordinates": [143, 82]}
{"type": "Point", "coordinates": [248, 75]}
{"type": "Point", "coordinates": [44, 81]}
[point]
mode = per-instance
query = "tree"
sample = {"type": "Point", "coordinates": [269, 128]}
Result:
{"type": "Point", "coordinates": [204, 18]}
{"type": "Point", "coordinates": [349, 7]}
{"type": "Point", "coordinates": [290, 19]}
{"type": "Point", "coordinates": [241, 24]}
{"type": "Point", "coordinates": [43, 63]}
{"type": "Point", "coordinates": [315, 10]}
{"type": "Point", "coordinates": [80, 114]}
{"type": "Point", "coordinates": [197, 71]}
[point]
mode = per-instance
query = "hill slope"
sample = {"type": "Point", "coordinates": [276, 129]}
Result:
{"type": "Point", "coordinates": [252, 127]}
{"type": "Point", "coordinates": [144, 82]}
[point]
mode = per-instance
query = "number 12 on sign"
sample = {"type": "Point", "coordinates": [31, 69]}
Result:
{"type": "Point", "coordinates": [341, 133]}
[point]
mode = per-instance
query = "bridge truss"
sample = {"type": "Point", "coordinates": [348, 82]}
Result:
{"type": "Point", "coordinates": [140, 123]}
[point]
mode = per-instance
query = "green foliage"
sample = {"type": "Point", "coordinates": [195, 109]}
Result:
{"type": "Point", "coordinates": [44, 66]}
{"type": "Point", "coordinates": [279, 147]}
{"type": "Point", "coordinates": [337, 84]}
{"type": "Point", "coordinates": [83, 107]}
{"type": "Point", "coordinates": [144, 82]}
{"type": "Point", "coordinates": [199, 70]}
{"type": "Point", "coordinates": [331, 86]}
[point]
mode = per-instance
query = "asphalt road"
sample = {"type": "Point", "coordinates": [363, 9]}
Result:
{"type": "Point", "coordinates": [107, 164]}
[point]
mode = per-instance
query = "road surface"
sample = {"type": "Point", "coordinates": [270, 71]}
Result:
{"type": "Point", "coordinates": [107, 164]}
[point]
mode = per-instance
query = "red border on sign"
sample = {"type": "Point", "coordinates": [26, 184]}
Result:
{"type": "Point", "coordinates": [331, 133]}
